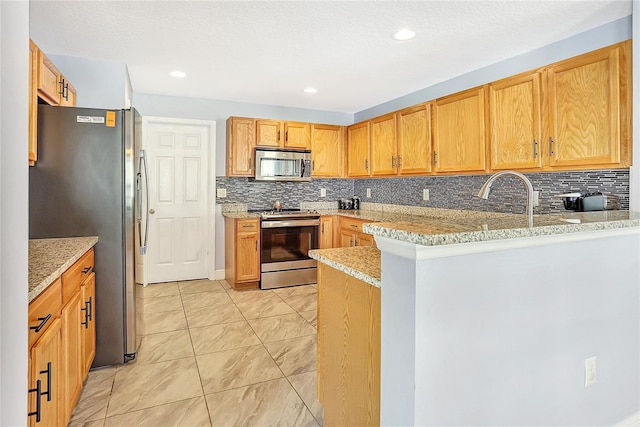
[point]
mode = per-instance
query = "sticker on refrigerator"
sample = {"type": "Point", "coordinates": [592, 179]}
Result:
{"type": "Point", "coordinates": [89, 119]}
{"type": "Point", "coordinates": [111, 119]}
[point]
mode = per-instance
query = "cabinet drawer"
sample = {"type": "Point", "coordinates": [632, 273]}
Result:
{"type": "Point", "coordinates": [247, 225]}
{"type": "Point", "coordinates": [43, 310]}
{"type": "Point", "coordinates": [352, 224]}
{"type": "Point", "coordinates": [76, 274]}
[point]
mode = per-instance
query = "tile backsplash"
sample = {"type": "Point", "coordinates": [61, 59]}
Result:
{"type": "Point", "coordinates": [450, 192]}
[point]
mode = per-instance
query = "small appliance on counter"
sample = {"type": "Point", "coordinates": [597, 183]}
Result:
{"type": "Point", "coordinates": [589, 201]}
{"type": "Point", "coordinates": [349, 204]}
{"type": "Point", "coordinates": [355, 202]}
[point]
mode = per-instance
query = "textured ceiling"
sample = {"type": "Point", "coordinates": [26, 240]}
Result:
{"type": "Point", "coordinates": [267, 52]}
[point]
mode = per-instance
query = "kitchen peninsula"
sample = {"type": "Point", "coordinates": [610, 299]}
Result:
{"type": "Point", "coordinates": [483, 320]}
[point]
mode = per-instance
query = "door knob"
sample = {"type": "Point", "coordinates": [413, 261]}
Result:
{"type": "Point", "coordinates": [152, 211]}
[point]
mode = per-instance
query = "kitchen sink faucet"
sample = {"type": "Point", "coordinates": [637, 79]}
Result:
{"type": "Point", "coordinates": [486, 188]}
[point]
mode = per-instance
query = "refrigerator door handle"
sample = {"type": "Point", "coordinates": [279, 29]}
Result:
{"type": "Point", "coordinates": [142, 163]}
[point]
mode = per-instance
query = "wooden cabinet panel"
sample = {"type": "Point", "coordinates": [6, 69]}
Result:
{"type": "Point", "coordinates": [515, 122]}
{"type": "Point", "coordinates": [48, 80]}
{"type": "Point", "coordinates": [459, 134]}
{"type": "Point", "coordinates": [268, 133]}
{"type": "Point", "coordinates": [327, 150]}
{"type": "Point", "coordinates": [43, 310]}
{"type": "Point", "coordinates": [33, 103]}
{"type": "Point", "coordinates": [347, 238]}
{"type": "Point", "coordinates": [358, 149]}
{"type": "Point", "coordinates": [88, 322]}
{"type": "Point", "coordinates": [584, 109]}
{"type": "Point", "coordinates": [326, 232]}
{"type": "Point", "coordinates": [71, 355]}
{"type": "Point", "coordinates": [383, 145]}
{"type": "Point", "coordinates": [363, 239]}
{"type": "Point", "coordinates": [414, 140]}
{"type": "Point", "coordinates": [45, 357]}
{"type": "Point", "coordinates": [348, 351]}
{"type": "Point", "coordinates": [248, 257]}
{"type": "Point", "coordinates": [73, 277]}
{"type": "Point", "coordinates": [297, 135]}
{"type": "Point", "coordinates": [240, 146]}
{"type": "Point", "coordinates": [242, 252]}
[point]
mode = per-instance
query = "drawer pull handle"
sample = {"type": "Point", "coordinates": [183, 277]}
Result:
{"type": "Point", "coordinates": [43, 321]}
{"type": "Point", "coordinates": [48, 372]}
{"type": "Point", "coordinates": [38, 392]}
{"type": "Point", "coordinates": [90, 314]}
{"type": "Point", "coordinates": [86, 269]}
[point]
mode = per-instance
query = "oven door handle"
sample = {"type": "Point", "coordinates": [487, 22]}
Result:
{"type": "Point", "coordinates": [290, 223]}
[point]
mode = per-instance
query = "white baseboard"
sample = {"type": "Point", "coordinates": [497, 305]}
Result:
{"type": "Point", "coordinates": [630, 421]}
{"type": "Point", "coordinates": [219, 274]}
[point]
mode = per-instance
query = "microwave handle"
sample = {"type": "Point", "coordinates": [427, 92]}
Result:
{"type": "Point", "coordinates": [302, 169]}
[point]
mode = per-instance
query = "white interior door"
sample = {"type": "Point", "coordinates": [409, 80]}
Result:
{"type": "Point", "coordinates": [179, 189]}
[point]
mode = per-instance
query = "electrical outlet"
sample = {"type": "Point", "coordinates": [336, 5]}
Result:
{"type": "Point", "coordinates": [425, 194]}
{"type": "Point", "coordinates": [589, 371]}
{"type": "Point", "coordinates": [368, 193]}
{"type": "Point", "coordinates": [323, 192]}
{"type": "Point", "coordinates": [536, 198]}
{"type": "Point", "coordinates": [221, 193]}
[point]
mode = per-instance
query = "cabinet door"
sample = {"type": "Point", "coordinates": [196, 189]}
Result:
{"type": "Point", "coordinates": [383, 145]}
{"type": "Point", "coordinates": [71, 355]}
{"type": "Point", "coordinates": [327, 150]}
{"type": "Point", "coordinates": [364, 239]}
{"type": "Point", "coordinates": [45, 366]}
{"type": "Point", "coordinates": [326, 232]}
{"type": "Point", "coordinates": [88, 323]}
{"type": "Point", "coordinates": [297, 135]}
{"type": "Point", "coordinates": [247, 252]}
{"type": "Point", "coordinates": [240, 146]}
{"type": "Point", "coordinates": [358, 149]}
{"type": "Point", "coordinates": [459, 132]}
{"type": "Point", "coordinates": [414, 140]}
{"type": "Point", "coordinates": [515, 122]}
{"type": "Point", "coordinates": [268, 133]}
{"type": "Point", "coordinates": [33, 103]}
{"type": "Point", "coordinates": [48, 80]}
{"type": "Point", "coordinates": [347, 238]}
{"type": "Point", "coordinates": [584, 109]}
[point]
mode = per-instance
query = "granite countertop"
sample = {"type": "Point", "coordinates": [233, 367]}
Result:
{"type": "Point", "coordinates": [241, 215]}
{"type": "Point", "coordinates": [49, 258]}
{"type": "Point", "coordinates": [432, 231]}
{"type": "Point", "coordinates": [361, 262]}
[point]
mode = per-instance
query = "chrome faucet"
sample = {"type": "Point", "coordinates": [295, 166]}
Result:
{"type": "Point", "coordinates": [486, 188]}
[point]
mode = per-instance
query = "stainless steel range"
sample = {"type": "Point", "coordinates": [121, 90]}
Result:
{"type": "Point", "coordinates": [287, 236]}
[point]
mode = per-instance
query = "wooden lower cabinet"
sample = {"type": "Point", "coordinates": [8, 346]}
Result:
{"type": "Point", "coordinates": [348, 352]}
{"type": "Point", "coordinates": [71, 355]}
{"type": "Point", "coordinates": [45, 399]}
{"type": "Point", "coordinates": [326, 232]}
{"type": "Point", "coordinates": [242, 252]}
{"type": "Point", "coordinates": [88, 323]}
{"type": "Point", "coordinates": [351, 234]}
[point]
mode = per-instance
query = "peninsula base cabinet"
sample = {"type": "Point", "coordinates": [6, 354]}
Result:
{"type": "Point", "coordinates": [348, 351]}
{"type": "Point", "coordinates": [351, 233]}
{"type": "Point", "coordinates": [242, 252]}
{"type": "Point", "coordinates": [61, 344]}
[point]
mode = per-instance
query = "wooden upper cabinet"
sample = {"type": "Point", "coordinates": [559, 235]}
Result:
{"type": "Point", "coordinates": [383, 145]}
{"type": "Point", "coordinates": [327, 150]}
{"type": "Point", "coordinates": [358, 149]}
{"type": "Point", "coordinates": [268, 133]}
{"type": "Point", "coordinates": [241, 142]}
{"type": "Point", "coordinates": [297, 135]}
{"type": "Point", "coordinates": [459, 132]}
{"type": "Point", "coordinates": [515, 122]}
{"type": "Point", "coordinates": [273, 133]}
{"type": "Point", "coordinates": [33, 102]}
{"type": "Point", "coordinates": [585, 109]}
{"type": "Point", "coordinates": [414, 140]}
{"type": "Point", "coordinates": [49, 81]}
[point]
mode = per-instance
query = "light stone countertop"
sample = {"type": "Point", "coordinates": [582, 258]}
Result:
{"type": "Point", "coordinates": [49, 258]}
{"type": "Point", "coordinates": [361, 262]}
{"type": "Point", "coordinates": [430, 231]}
{"type": "Point", "coordinates": [241, 215]}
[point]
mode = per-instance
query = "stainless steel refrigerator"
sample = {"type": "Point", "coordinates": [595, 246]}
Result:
{"type": "Point", "coordinates": [84, 184]}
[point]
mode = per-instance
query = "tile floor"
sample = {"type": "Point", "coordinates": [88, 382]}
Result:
{"type": "Point", "coordinates": [212, 356]}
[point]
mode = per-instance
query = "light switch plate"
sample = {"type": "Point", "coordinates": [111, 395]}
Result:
{"type": "Point", "coordinates": [536, 198]}
{"type": "Point", "coordinates": [589, 371]}
{"type": "Point", "coordinates": [221, 193]}
{"type": "Point", "coordinates": [425, 194]}
{"type": "Point", "coordinates": [368, 192]}
{"type": "Point", "coordinates": [323, 192]}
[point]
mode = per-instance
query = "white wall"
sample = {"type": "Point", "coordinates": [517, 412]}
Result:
{"type": "Point", "coordinates": [502, 337]}
{"type": "Point", "coordinates": [14, 214]}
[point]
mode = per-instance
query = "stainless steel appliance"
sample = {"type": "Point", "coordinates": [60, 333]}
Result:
{"type": "Point", "coordinates": [585, 201]}
{"type": "Point", "coordinates": [282, 165]}
{"type": "Point", "coordinates": [286, 238]}
{"type": "Point", "coordinates": [84, 184]}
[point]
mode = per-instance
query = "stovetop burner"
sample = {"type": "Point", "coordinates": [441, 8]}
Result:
{"type": "Point", "coordinates": [288, 213]}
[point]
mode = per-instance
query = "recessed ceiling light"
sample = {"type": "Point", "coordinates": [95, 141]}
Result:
{"type": "Point", "coordinates": [404, 34]}
{"type": "Point", "coordinates": [311, 90]}
{"type": "Point", "coordinates": [178, 74]}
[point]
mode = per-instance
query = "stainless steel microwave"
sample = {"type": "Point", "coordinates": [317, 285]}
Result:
{"type": "Point", "coordinates": [282, 165]}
